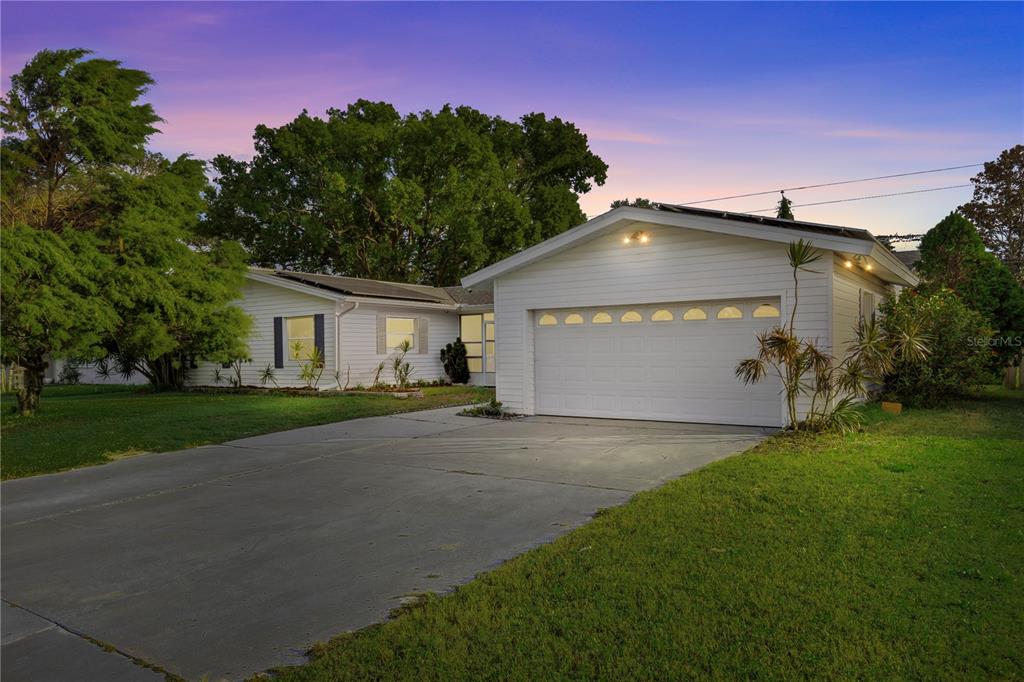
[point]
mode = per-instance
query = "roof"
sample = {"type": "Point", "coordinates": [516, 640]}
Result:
{"type": "Point", "coordinates": [908, 258]}
{"type": "Point", "coordinates": [374, 288]}
{"type": "Point", "coordinates": [845, 240]}
{"type": "Point", "coordinates": [802, 225]}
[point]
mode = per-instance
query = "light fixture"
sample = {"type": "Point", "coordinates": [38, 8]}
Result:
{"type": "Point", "coordinates": [848, 264]}
{"type": "Point", "coordinates": [637, 236]}
{"type": "Point", "coordinates": [644, 239]}
{"type": "Point", "coordinates": [626, 239]}
{"type": "Point", "coordinates": [868, 267]}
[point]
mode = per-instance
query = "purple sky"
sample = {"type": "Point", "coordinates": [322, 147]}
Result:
{"type": "Point", "coordinates": [684, 101]}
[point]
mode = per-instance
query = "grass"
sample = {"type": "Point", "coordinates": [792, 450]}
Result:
{"type": "Point", "coordinates": [84, 425]}
{"type": "Point", "coordinates": [893, 553]}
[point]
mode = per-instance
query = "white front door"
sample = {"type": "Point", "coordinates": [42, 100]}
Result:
{"type": "Point", "coordinates": [668, 362]}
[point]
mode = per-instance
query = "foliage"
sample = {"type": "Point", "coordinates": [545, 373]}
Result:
{"type": "Point", "coordinates": [453, 359]}
{"type": "Point", "coordinates": [400, 367]}
{"type": "Point", "coordinates": [217, 378]}
{"type": "Point", "coordinates": [377, 371]}
{"type": "Point", "coordinates": [639, 202]}
{"type": "Point", "coordinates": [953, 256]}
{"type": "Point", "coordinates": [785, 208]}
{"type": "Point", "coordinates": [85, 425]}
{"type": "Point", "coordinates": [268, 375]}
{"type": "Point", "coordinates": [832, 385]}
{"type": "Point", "coordinates": [959, 343]}
{"type": "Point", "coordinates": [997, 208]}
{"type": "Point", "coordinates": [98, 254]}
{"type": "Point", "coordinates": [311, 368]}
{"type": "Point", "coordinates": [491, 408]}
{"type": "Point", "coordinates": [423, 198]}
{"type": "Point", "coordinates": [70, 373]}
{"type": "Point", "coordinates": [48, 292]}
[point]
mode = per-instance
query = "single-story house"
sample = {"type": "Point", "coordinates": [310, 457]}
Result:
{"type": "Point", "coordinates": [356, 324]}
{"type": "Point", "coordinates": [644, 314]}
{"type": "Point", "coordinates": [635, 314]}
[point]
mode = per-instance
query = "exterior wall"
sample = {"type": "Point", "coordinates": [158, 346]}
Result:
{"type": "Point", "coordinates": [88, 374]}
{"type": "Point", "coordinates": [847, 285]}
{"type": "Point", "coordinates": [359, 342]}
{"type": "Point", "coordinates": [678, 265]}
{"type": "Point", "coordinates": [264, 302]}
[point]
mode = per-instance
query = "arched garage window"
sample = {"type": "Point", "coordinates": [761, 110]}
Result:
{"type": "Point", "coordinates": [730, 312]}
{"type": "Point", "coordinates": [695, 314]}
{"type": "Point", "coordinates": [574, 318]}
{"type": "Point", "coordinates": [662, 316]}
{"type": "Point", "coordinates": [601, 318]}
{"type": "Point", "coordinates": [631, 316]}
{"type": "Point", "coordinates": [547, 320]}
{"type": "Point", "coordinates": [766, 310]}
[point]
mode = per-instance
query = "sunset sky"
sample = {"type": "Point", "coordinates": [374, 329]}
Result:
{"type": "Point", "coordinates": [683, 101]}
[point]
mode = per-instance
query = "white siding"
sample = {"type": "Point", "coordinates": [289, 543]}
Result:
{"type": "Point", "coordinates": [359, 342]}
{"type": "Point", "coordinates": [678, 265]}
{"type": "Point", "coordinates": [264, 302]}
{"type": "Point", "coordinates": [847, 286]}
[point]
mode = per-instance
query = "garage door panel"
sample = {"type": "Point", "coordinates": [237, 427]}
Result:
{"type": "Point", "coordinates": [668, 370]}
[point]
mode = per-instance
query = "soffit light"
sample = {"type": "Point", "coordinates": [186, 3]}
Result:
{"type": "Point", "coordinates": [640, 237]}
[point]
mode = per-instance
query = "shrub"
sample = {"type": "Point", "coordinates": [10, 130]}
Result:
{"type": "Point", "coordinates": [70, 373]}
{"type": "Point", "coordinates": [959, 344]}
{"type": "Point", "coordinates": [453, 358]}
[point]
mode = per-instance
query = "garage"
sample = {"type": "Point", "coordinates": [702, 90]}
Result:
{"type": "Point", "coordinates": [668, 362]}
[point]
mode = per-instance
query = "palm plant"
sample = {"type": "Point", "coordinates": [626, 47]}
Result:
{"type": "Point", "coordinates": [311, 370]}
{"type": "Point", "coordinates": [803, 368]}
{"type": "Point", "coordinates": [400, 367]}
{"type": "Point", "coordinates": [269, 375]}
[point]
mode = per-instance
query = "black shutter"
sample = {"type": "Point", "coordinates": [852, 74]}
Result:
{"type": "Point", "coordinates": [318, 336]}
{"type": "Point", "coordinates": [278, 342]}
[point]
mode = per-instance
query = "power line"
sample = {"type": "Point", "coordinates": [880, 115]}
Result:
{"type": "Point", "coordinates": [873, 196]}
{"type": "Point", "coordinates": [832, 184]}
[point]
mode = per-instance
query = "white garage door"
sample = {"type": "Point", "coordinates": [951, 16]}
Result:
{"type": "Point", "coordinates": [662, 362]}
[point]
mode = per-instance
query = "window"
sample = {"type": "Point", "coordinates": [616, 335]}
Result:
{"type": "Point", "coordinates": [766, 310]}
{"type": "Point", "coordinates": [547, 320]}
{"type": "Point", "coordinates": [574, 318]}
{"type": "Point", "coordinates": [400, 329]}
{"type": "Point", "coordinates": [631, 316]}
{"type": "Point", "coordinates": [695, 314]}
{"type": "Point", "coordinates": [662, 316]}
{"type": "Point", "coordinates": [730, 312]}
{"type": "Point", "coordinates": [867, 304]}
{"type": "Point", "coordinates": [471, 333]}
{"type": "Point", "coordinates": [300, 337]}
{"type": "Point", "coordinates": [601, 318]}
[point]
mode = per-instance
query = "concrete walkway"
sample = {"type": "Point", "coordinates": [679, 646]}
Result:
{"type": "Point", "coordinates": [226, 560]}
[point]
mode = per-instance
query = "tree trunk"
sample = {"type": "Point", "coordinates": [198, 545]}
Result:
{"type": "Point", "coordinates": [31, 386]}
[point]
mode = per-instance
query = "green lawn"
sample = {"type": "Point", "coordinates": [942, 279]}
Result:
{"type": "Point", "coordinates": [896, 553]}
{"type": "Point", "coordinates": [83, 425]}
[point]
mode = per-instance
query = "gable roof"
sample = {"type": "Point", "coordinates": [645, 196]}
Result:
{"type": "Point", "coordinates": [908, 258]}
{"type": "Point", "coordinates": [848, 240]}
{"type": "Point", "coordinates": [374, 288]}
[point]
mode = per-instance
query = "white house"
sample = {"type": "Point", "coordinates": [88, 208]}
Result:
{"type": "Point", "coordinates": [644, 314]}
{"type": "Point", "coordinates": [356, 324]}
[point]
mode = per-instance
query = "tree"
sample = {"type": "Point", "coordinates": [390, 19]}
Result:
{"type": "Point", "coordinates": [785, 208]}
{"type": "Point", "coordinates": [997, 208]}
{"type": "Point", "coordinates": [958, 340]}
{"type": "Point", "coordinates": [422, 198]}
{"type": "Point", "coordinates": [953, 257]}
{"type": "Point", "coordinates": [96, 232]}
{"type": "Point", "coordinates": [63, 117]}
{"type": "Point", "coordinates": [639, 202]}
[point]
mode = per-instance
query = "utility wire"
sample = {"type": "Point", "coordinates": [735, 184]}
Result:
{"type": "Point", "coordinates": [832, 184]}
{"type": "Point", "coordinates": [873, 196]}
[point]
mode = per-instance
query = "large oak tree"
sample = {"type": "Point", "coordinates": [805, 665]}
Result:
{"type": "Point", "coordinates": [997, 208]}
{"type": "Point", "coordinates": [420, 198]}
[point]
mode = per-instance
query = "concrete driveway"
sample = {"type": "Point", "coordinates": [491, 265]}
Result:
{"type": "Point", "coordinates": [226, 560]}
